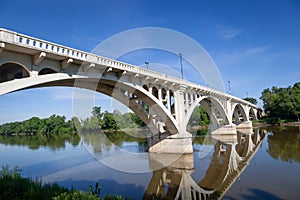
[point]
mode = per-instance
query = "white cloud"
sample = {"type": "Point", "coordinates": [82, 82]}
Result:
{"type": "Point", "coordinates": [229, 32]}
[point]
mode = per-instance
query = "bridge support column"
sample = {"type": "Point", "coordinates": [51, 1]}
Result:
{"type": "Point", "coordinates": [224, 130]}
{"type": "Point", "coordinates": [182, 141]}
{"type": "Point", "coordinates": [179, 144]}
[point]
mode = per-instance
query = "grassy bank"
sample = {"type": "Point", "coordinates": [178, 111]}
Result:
{"type": "Point", "coordinates": [15, 187]}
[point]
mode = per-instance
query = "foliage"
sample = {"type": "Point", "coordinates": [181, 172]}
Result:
{"type": "Point", "coordinates": [74, 195]}
{"type": "Point", "coordinates": [109, 121]}
{"type": "Point", "coordinates": [13, 186]}
{"type": "Point", "coordinates": [251, 100]}
{"type": "Point", "coordinates": [282, 104]}
{"type": "Point", "coordinates": [199, 117]}
{"type": "Point", "coordinates": [53, 125]}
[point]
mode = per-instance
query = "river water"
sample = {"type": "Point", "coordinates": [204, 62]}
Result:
{"type": "Point", "coordinates": [253, 164]}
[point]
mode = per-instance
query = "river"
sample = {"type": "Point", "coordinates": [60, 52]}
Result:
{"type": "Point", "coordinates": [253, 164]}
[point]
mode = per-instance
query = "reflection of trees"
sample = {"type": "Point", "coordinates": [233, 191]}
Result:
{"type": "Point", "coordinates": [100, 141]}
{"type": "Point", "coordinates": [53, 141]}
{"type": "Point", "coordinates": [285, 144]}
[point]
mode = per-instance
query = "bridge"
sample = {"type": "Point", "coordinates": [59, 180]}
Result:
{"type": "Point", "coordinates": [163, 102]}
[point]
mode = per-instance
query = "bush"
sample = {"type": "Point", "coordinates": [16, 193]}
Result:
{"type": "Point", "coordinates": [76, 195]}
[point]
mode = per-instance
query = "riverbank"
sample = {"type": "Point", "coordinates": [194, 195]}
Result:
{"type": "Point", "coordinates": [264, 124]}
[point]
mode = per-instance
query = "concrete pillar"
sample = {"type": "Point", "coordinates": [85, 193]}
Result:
{"type": "Point", "coordinates": [229, 111]}
{"type": "Point", "coordinates": [180, 108]}
{"type": "Point", "coordinates": [160, 94]}
{"type": "Point", "coordinates": [247, 112]}
{"type": "Point", "coordinates": [168, 100]}
{"type": "Point", "coordinates": [186, 94]}
{"type": "Point", "coordinates": [150, 89]}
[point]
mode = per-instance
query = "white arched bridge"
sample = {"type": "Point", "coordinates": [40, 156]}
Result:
{"type": "Point", "coordinates": [163, 102]}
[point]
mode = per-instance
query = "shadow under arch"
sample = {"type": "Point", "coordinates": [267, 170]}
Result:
{"type": "Point", "coordinates": [12, 70]}
{"type": "Point", "coordinates": [47, 70]}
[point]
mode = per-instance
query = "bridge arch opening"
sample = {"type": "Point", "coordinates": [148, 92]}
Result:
{"type": "Point", "coordinates": [172, 103]}
{"type": "Point", "coordinates": [239, 114]}
{"type": "Point", "coordinates": [199, 120]}
{"type": "Point", "coordinates": [211, 113]}
{"type": "Point", "coordinates": [146, 87]}
{"type": "Point", "coordinates": [252, 115]}
{"type": "Point", "coordinates": [259, 114]}
{"type": "Point", "coordinates": [45, 71]}
{"type": "Point", "coordinates": [155, 91]}
{"type": "Point", "coordinates": [10, 71]}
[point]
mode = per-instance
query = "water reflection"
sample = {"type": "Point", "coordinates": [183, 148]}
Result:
{"type": "Point", "coordinates": [189, 177]}
{"type": "Point", "coordinates": [104, 141]}
{"type": "Point", "coordinates": [231, 155]}
{"type": "Point", "coordinates": [34, 142]}
{"type": "Point", "coordinates": [284, 143]}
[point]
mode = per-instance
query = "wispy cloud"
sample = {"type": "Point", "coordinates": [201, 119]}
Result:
{"type": "Point", "coordinates": [254, 50]}
{"type": "Point", "coordinates": [244, 53]}
{"type": "Point", "coordinates": [229, 32]}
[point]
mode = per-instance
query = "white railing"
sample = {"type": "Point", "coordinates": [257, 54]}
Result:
{"type": "Point", "coordinates": [8, 36]}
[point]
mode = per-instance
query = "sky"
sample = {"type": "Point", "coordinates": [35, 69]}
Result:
{"type": "Point", "coordinates": [254, 44]}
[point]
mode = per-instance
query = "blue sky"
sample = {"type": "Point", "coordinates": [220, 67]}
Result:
{"type": "Point", "coordinates": [255, 44]}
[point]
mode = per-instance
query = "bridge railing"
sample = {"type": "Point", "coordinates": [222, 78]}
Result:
{"type": "Point", "coordinates": [8, 36]}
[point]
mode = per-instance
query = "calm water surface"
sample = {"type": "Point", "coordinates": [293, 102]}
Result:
{"type": "Point", "coordinates": [256, 164]}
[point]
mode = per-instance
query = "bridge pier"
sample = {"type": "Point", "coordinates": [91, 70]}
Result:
{"type": "Point", "coordinates": [176, 144]}
{"type": "Point", "coordinates": [246, 124]}
{"type": "Point", "coordinates": [222, 130]}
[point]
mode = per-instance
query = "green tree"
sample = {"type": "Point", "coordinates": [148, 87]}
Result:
{"type": "Point", "coordinates": [251, 100]}
{"type": "Point", "coordinates": [282, 104]}
{"type": "Point", "coordinates": [199, 117]}
{"type": "Point", "coordinates": [96, 112]}
{"type": "Point", "coordinates": [137, 120]}
{"type": "Point", "coordinates": [109, 122]}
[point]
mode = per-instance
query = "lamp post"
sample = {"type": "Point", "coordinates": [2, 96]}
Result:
{"type": "Point", "coordinates": [147, 64]}
{"type": "Point", "coordinates": [229, 88]}
{"type": "Point", "coordinates": [181, 67]}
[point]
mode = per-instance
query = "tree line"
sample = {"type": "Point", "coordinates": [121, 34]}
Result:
{"type": "Point", "coordinates": [56, 124]}
{"type": "Point", "coordinates": [52, 125]}
{"type": "Point", "coordinates": [108, 121]}
{"type": "Point", "coordinates": [282, 104]}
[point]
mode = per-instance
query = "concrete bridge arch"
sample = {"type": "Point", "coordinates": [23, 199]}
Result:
{"type": "Point", "coordinates": [146, 106]}
{"type": "Point", "coordinates": [213, 107]}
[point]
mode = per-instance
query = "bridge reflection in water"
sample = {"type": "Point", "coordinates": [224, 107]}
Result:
{"type": "Point", "coordinates": [231, 155]}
